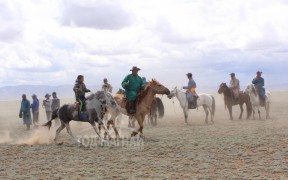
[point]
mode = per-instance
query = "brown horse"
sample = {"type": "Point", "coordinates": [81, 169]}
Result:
{"type": "Point", "coordinates": [144, 102]}
{"type": "Point", "coordinates": [229, 102]}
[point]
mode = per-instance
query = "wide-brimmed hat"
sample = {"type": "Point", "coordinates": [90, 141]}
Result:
{"type": "Point", "coordinates": [47, 95]}
{"type": "Point", "coordinates": [135, 68]}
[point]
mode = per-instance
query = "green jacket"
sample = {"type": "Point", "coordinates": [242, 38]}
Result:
{"type": "Point", "coordinates": [135, 84]}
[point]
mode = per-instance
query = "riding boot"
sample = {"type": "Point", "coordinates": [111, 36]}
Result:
{"type": "Point", "coordinates": [131, 107]}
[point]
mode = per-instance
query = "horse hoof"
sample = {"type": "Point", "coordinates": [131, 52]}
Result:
{"type": "Point", "coordinates": [134, 133]}
{"type": "Point", "coordinates": [60, 143]}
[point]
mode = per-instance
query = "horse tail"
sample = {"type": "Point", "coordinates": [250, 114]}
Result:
{"type": "Point", "coordinates": [160, 107]}
{"type": "Point", "coordinates": [54, 116]}
{"type": "Point", "coordinates": [213, 105]}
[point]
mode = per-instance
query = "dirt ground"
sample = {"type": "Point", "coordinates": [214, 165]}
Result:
{"type": "Point", "coordinates": [238, 149]}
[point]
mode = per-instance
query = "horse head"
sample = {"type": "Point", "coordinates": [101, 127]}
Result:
{"type": "Point", "coordinates": [172, 93]}
{"type": "Point", "coordinates": [251, 89]}
{"type": "Point", "coordinates": [97, 101]}
{"type": "Point", "coordinates": [158, 88]}
{"type": "Point", "coordinates": [222, 88]}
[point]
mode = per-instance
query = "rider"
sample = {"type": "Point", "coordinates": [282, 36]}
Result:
{"type": "Point", "coordinates": [258, 81]}
{"type": "Point", "coordinates": [80, 90]}
{"type": "Point", "coordinates": [132, 84]}
{"type": "Point", "coordinates": [234, 86]}
{"type": "Point", "coordinates": [191, 93]}
{"type": "Point", "coordinates": [144, 81]}
{"type": "Point", "coordinates": [106, 86]}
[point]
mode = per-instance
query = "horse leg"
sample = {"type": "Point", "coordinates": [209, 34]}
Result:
{"type": "Point", "coordinates": [267, 108]}
{"type": "Point", "coordinates": [95, 127]}
{"type": "Point", "coordinates": [207, 113]}
{"type": "Point", "coordinates": [106, 130]}
{"type": "Point", "coordinates": [185, 110]}
{"type": "Point", "coordinates": [69, 130]}
{"type": "Point", "coordinates": [155, 120]}
{"type": "Point", "coordinates": [230, 112]}
{"type": "Point", "coordinates": [115, 129]}
{"type": "Point", "coordinates": [241, 107]}
{"type": "Point", "coordinates": [259, 113]}
{"type": "Point", "coordinates": [253, 110]}
{"type": "Point", "coordinates": [62, 126]}
{"type": "Point", "coordinates": [211, 115]}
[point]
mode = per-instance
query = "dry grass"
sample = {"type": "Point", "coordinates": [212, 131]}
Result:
{"type": "Point", "coordinates": [246, 149]}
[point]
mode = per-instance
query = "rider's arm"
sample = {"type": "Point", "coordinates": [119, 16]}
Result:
{"type": "Point", "coordinates": [125, 80]}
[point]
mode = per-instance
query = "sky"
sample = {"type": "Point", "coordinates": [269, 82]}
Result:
{"type": "Point", "coordinates": [51, 42]}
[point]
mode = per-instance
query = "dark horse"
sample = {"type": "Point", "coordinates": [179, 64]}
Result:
{"type": "Point", "coordinates": [95, 105]}
{"type": "Point", "coordinates": [229, 102]}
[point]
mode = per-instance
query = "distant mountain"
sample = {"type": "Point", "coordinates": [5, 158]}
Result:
{"type": "Point", "coordinates": [15, 92]}
{"type": "Point", "coordinates": [63, 91]}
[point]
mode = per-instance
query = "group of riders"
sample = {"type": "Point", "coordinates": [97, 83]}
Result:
{"type": "Point", "coordinates": [133, 84]}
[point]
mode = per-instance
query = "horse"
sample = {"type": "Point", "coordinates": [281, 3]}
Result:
{"type": "Point", "coordinates": [157, 110]}
{"type": "Point", "coordinates": [229, 102]}
{"type": "Point", "coordinates": [95, 105]}
{"type": "Point", "coordinates": [207, 101]}
{"type": "Point", "coordinates": [143, 106]}
{"type": "Point", "coordinates": [255, 101]}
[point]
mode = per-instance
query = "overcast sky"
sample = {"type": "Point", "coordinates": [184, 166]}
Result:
{"type": "Point", "coordinates": [51, 42]}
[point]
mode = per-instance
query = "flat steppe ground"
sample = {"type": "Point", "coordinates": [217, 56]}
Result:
{"type": "Point", "coordinates": [238, 149]}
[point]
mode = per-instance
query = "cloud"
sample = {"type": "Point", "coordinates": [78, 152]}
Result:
{"type": "Point", "coordinates": [11, 22]}
{"type": "Point", "coordinates": [98, 15]}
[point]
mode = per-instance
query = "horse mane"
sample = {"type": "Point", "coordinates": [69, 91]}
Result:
{"type": "Point", "coordinates": [91, 96]}
{"type": "Point", "coordinates": [143, 93]}
{"type": "Point", "coordinates": [254, 90]}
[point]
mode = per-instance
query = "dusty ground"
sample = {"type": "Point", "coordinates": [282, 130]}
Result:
{"type": "Point", "coordinates": [246, 149]}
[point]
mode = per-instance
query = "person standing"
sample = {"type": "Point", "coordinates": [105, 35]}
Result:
{"type": "Point", "coordinates": [55, 105]}
{"type": "Point", "coordinates": [47, 103]}
{"type": "Point", "coordinates": [55, 102]}
{"type": "Point", "coordinates": [25, 112]}
{"type": "Point", "coordinates": [106, 86]}
{"type": "Point", "coordinates": [234, 85]}
{"type": "Point", "coordinates": [35, 110]}
{"type": "Point", "coordinates": [191, 92]}
{"type": "Point", "coordinates": [132, 84]}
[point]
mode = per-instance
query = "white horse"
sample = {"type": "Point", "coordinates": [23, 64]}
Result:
{"type": "Point", "coordinates": [255, 101]}
{"type": "Point", "coordinates": [207, 101]}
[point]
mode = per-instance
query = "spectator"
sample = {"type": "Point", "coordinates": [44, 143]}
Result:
{"type": "Point", "coordinates": [25, 112]}
{"type": "Point", "coordinates": [47, 103]}
{"type": "Point", "coordinates": [55, 102]}
{"type": "Point", "coordinates": [35, 110]}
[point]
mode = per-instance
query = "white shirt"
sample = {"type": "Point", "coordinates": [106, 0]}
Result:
{"type": "Point", "coordinates": [47, 105]}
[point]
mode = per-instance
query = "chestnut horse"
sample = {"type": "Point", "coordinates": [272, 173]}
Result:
{"type": "Point", "coordinates": [229, 101]}
{"type": "Point", "coordinates": [144, 102]}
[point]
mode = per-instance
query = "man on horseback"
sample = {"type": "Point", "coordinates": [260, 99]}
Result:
{"type": "Point", "coordinates": [258, 81]}
{"type": "Point", "coordinates": [235, 87]}
{"type": "Point", "coordinates": [106, 86]}
{"type": "Point", "coordinates": [132, 84]}
{"type": "Point", "coordinates": [191, 93]}
{"type": "Point", "coordinates": [80, 90]}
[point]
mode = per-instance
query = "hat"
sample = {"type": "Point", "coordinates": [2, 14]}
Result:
{"type": "Point", "coordinates": [259, 72]}
{"type": "Point", "coordinates": [135, 68]}
{"type": "Point", "coordinates": [47, 95]}
{"type": "Point", "coordinates": [232, 74]}
{"type": "Point", "coordinates": [189, 74]}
